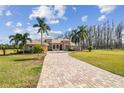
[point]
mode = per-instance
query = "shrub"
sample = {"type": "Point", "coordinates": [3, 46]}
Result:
{"type": "Point", "coordinates": [90, 48]}
{"type": "Point", "coordinates": [25, 51]}
{"type": "Point", "coordinates": [38, 49]}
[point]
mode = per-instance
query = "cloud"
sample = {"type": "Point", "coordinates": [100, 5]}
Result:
{"type": "Point", "coordinates": [2, 9]}
{"type": "Point", "coordinates": [107, 8]}
{"type": "Point", "coordinates": [28, 23]}
{"type": "Point", "coordinates": [8, 24]}
{"type": "Point", "coordinates": [84, 18]}
{"type": "Point", "coordinates": [60, 11]}
{"type": "Point", "coordinates": [54, 21]}
{"type": "Point", "coordinates": [74, 8]}
{"type": "Point", "coordinates": [8, 13]}
{"type": "Point", "coordinates": [102, 17]}
{"type": "Point", "coordinates": [35, 35]}
{"type": "Point", "coordinates": [19, 24]}
{"type": "Point", "coordinates": [52, 13]}
{"type": "Point", "coordinates": [69, 29]}
{"type": "Point", "coordinates": [53, 34]}
{"type": "Point", "coordinates": [18, 30]}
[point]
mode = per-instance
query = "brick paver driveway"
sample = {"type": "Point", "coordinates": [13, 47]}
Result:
{"type": "Point", "coordinates": [61, 70]}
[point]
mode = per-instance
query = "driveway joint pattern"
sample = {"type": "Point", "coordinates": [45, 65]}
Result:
{"type": "Point", "coordinates": [63, 71]}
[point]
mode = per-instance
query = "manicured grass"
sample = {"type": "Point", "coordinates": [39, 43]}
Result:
{"type": "Point", "coordinates": [110, 60]}
{"type": "Point", "coordinates": [20, 70]}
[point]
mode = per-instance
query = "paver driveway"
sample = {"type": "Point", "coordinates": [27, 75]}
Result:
{"type": "Point", "coordinates": [61, 70]}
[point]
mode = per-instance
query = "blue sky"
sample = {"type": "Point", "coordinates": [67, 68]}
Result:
{"type": "Point", "coordinates": [19, 19]}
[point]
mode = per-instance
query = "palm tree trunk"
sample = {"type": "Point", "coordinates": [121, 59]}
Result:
{"type": "Point", "coordinates": [81, 45]}
{"type": "Point", "coordinates": [17, 48]}
{"type": "Point", "coordinates": [41, 37]}
{"type": "Point", "coordinates": [4, 52]}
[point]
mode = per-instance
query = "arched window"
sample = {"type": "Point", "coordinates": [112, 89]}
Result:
{"type": "Point", "coordinates": [53, 46]}
{"type": "Point", "coordinates": [57, 46]}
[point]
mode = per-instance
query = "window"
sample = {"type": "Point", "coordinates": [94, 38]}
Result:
{"type": "Point", "coordinates": [53, 46]}
{"type": "Point", "coordinates": [57, 46]}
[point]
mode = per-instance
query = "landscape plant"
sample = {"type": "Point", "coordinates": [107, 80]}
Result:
{"type": "Point", "coordinates": [43, 27]}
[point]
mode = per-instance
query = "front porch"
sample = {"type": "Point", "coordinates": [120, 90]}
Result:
{"type": "Point", "coordinates": [57, 47]}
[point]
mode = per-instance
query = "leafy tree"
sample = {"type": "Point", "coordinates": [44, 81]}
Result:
{"type": "Point", "coordinates": [37, 49]}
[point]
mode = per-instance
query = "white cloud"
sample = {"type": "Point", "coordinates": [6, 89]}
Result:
{"type": "Point", "coordinates": [18, 30]}
{"type": "Point", "coordinates": [53, 34]}
{"type": "Point", "coordinates": [74, 8]}
{"type": "Point", "coordinates": [28, 23]}
{"type": "Point", "coordinates": [42, 11]}
{"type": "Point", "coordinates": [84, 18]}
{"type": "Point", "coordinates": [8, 13]}
{"type": "Point", "coordinates": [70, 29]}
{"type": "Point", "coordinates": [2, 9]}
{"type": "Point", "coordinates": [54, 21]}
{"type": "Point", "coordinates": [35, 35]}
{"type": "Point", "coordinates": [60, 11]}
{"type": "Point", "coordinates": [107, 8]}
{"type": "Point", "coordinates": [8, 24]}
{"type": "Point", "coordinates": [19, 24]}
{"type": "Point", "coordinates": [102, 17]}
{"type": "Point", "coordinates": [52, 13]}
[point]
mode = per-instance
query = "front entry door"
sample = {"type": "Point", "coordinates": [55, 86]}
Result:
{"type": "Point", "coordinates": [60, 47]}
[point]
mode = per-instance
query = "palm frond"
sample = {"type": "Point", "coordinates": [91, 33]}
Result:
{"type": "Point", "coordinates": [36, 25]}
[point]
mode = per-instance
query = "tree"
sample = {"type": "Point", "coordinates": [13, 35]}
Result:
{"type": "Point", "coordinates": [3, 47]}
{"type": "Point", "coordinates": [38, 49]}
{"type": "Point", "coordinates": [79, 35]}
{"type": "Point", "coordinates": [24, 39]}
{"type": "Point", "coordinates": [82, 33]}
{"type": "Point", "coordinates": [75, 37]}
{"type": "Point", "coordinates": [102, 36]}
{"type": "Point", "coordinates": [16, 39]}
{"type": "Point", "coordinates": [43, 27]}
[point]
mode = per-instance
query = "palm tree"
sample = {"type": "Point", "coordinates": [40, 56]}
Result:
{"type": "Point", "coordinates": [79, 35]}
{"type": "Point", "coordinates": [16, 39]}
{"type": "Point", "coordinates": [82, 34]}
{"type": "Point", "coordinates": [43, 27]}
{"type": "Point", "coordinates": [75, 37]}
{"type": "Point", "coordinates": [3, 48]}
{"type": "Point", "coordinates": [24, 39]}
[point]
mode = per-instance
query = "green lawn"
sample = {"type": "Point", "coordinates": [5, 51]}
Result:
{"type": "Point", "coordinates": [111, 60]}
{"type": "Point", "coordinates": [20, 70]}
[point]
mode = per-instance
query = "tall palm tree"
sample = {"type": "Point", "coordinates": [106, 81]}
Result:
{"type": "Point", "coordinates": [82, 34]}
{"type": "Point", "coordinates": [79, 35]}
{"type": "Point", "coordinates": [24, 39]}
{"type": "Point", "coordinates": [16, 39]}
{"type": "Point", "coordinates": [43, 27]}
{"type": "Point", "coordinates": [74, 36]}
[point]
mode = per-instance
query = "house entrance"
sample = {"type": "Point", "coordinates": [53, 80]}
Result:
{"type": "Point", "coordinates": [60, 47]}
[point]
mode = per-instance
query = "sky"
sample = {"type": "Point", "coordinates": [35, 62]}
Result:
{"type": "Point", "coordinates": [21, 18]}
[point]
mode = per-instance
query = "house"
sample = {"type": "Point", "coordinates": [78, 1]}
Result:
{"type": "Point", "coordinates": [53, 45]}
{"type": "Point", "coordinates": [30, 45]}
{"type": "Point", "coordinates": [60, 44]}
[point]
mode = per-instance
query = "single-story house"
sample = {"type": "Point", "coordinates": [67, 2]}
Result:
{"type": "Point", "coordinates": [53, 45]}
{"type": "Point", "coordinates": [60, 44]}
{"type": "Point", "coordinates": [30, 45]}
